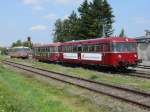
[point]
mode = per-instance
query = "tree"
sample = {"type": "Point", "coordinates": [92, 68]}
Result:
{"type": "Point", "coordinates": [122, 33]}
{"type": "Point", "coordinates": [17, 43]}
{"type": "Point", "coordinates": [96, 14]}
{"type": "Point", "coordinates": [27, 43]}
{"type": "Point", "coordinates": [85, 21]}
{"type": "Point", "coordinates": [102, 18]}
{"type": "Point", "coordinates": [58, 31]}
{"type": "Point", "coordinates": [67, 29]}
{"type": "Point", "coordinates": [108, 18]}
{"type": "Point", "coordinates": [3, 50]}
{"type": "Point", "coordinates": [95, 20]}
{"type": "Point", "coordinates": [73, 26]}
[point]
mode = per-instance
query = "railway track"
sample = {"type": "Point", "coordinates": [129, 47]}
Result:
{"type": "Point", "coordinates": [139, 98]}
{"type": "Point", "coordinates": [143, 66]}
{"type": "Point", "coordinates": [138, 74]}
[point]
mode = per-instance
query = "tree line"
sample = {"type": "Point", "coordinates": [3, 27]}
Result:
{"type": "Point", "coordinates": [93, 20]}
{"type": "Point", "coordinates": [27, 43]}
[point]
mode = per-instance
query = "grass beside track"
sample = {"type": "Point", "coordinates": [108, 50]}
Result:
{"type": "Point", "coordinates": [133, 82]}
{"type": "Point", "coordinates": [21, 93]}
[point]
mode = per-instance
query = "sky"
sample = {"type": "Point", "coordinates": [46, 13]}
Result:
{"type": "Point", "coordinates": [35, 18]}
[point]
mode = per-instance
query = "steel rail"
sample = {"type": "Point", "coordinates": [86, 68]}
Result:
{"type": "Point", "coordinates": [143, 66]}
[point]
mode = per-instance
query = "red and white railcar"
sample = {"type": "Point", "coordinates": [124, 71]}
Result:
{"type": "Point", "coordinates": [49, 52]}
{"type": "Point", "coordinates": [19, 52]}
{"type": "Point", "coordinates": [111, 51]}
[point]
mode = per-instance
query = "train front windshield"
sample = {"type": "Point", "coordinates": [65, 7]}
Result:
{"type": "Point", "coordinates": [124, 47]}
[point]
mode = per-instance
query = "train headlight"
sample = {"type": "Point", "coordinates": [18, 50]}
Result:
{"type": "Point", "coordinates": [119, 56]}
{"type": "Point", "coordinates": [135, 56]}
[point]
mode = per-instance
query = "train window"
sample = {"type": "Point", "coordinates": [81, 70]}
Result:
{"type": "Point", "coordinates": [59, 48]}
{"type": "Point", "coordinates": [69, 48]}
{"type": "Point", "coordinates": [79, 48]}
{"type": "Point", "coordinates": [39, 49]}
{"type": "Point", "coordinates": [97, 48]}
{"type": "Point", "coordinates": [124, 47]}
{"type": "Point", "coordinates": [46, 49]}
{"type": "Point", "coordinates": [56, 49]}
{"type": "Point", "coordinates": [84, 48]}
{"type": "Point", "coordinates": [106, 47]}
{"type": "Point", "coordinates": [91, 48]}
{"type": "Point", "coordinates": [74, 48]}
{"type": "Point", "coordinates": [64, 48]}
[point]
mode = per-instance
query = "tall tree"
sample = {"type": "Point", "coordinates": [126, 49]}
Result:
{"type": "Point", "coordinates": [122, 33]}
{"type": "Point", "coordinates": [107, 18]}
{"type": "Point", "coordinates": [85, 20]}
{"type": "Point", "coordinates": [17, 43]}
{"type": "Point", "coordinates": [95, 20]}
{"type": "Point", "coordinates": [73, 26]}
{"type": "Point", "coordinates": [66, 33]}
{"type": "Point", "coordinates": [58, 31]}
{"type": "Point", "coordinates": [28, 43]}
{"type": "Point", "coordinates": [67, 29]}
{"type": "Point", "coordinates": [97, 17]}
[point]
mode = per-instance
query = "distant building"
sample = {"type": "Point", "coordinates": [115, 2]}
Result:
{"type": "Point", "coordinates": [144, 46]}
{"type": "Point", "coordinates": [145, 38]}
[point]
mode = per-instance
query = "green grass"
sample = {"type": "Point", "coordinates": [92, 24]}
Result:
{"type": "Point", "coordinates": [137, 83]}
{"type": "Point", "coordinates": [21, 93]}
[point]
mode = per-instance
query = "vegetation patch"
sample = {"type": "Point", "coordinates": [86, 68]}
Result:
{"type": "Point", "coordinates": [19, 93]}
{"type": "Point", "coordinates": [134, 82]}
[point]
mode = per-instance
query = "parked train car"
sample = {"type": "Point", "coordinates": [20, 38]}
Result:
{"type": "Point", "coordinates": [19, 52]}
{"type": "Point", "coordinates": [50, 52]}
{"type": "Point", "coordinates": [112, 51]}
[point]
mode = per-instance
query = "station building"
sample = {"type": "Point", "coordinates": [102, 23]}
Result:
{"type": "Point", "coordinates": [144, 47]}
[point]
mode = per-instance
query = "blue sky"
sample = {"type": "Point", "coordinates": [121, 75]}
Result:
{"type": "Point", "coordinates": [35, 18]}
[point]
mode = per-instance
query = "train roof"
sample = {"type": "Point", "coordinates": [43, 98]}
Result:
{"type": "Point", "coordinates": [97, 40]}
{"type": "Point", "coordinates": [45, 45]}
{"type": "Point", "coordinates": [20, 47]}
{"type": "Point", "coordinates": [102, 40]}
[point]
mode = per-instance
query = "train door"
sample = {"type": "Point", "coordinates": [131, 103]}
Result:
{"type": "Point", "coordinates": [106, 53]}
{"type": "Point", "coordinates": [79, 51]}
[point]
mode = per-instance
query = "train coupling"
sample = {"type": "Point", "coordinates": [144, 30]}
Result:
{"type": "Point", "coordinates": [139, 61]}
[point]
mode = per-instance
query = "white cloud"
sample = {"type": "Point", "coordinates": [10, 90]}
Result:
{"type": "Point", "coordinates": [51, 16]}
{"type": "Point", "coordinates": [31, 2]}
{"type": "Point", "coordinates": [38, 27]}
{"type": "Point", "coordinates": [39, 4]}
{"type": "Point", "coordinates": [66, 2]}
{"type": "Point", "coordinates": [35, 4]}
